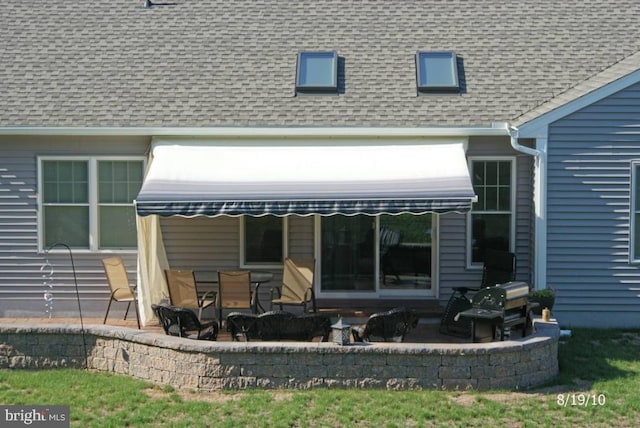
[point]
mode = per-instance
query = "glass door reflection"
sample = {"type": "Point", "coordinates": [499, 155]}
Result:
{"type": "Point", "coordinates": [347, 246]}
{"type": "Point", "coordinates": [405, 252]}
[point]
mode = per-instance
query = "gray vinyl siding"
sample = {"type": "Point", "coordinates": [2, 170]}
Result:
{"type": "Point", "coordinates": [453, 227]}
{"type": "Point", "coordinates": [301, 237]}
{"type": "Point", "coordinates": [202, 242]}
{"type": "Point", "coordinates": [214, 243]}
{"type": "Point", "coordinates": [191, 243]}
{"type": "Point", "coordinates": [589, 180]}
{"type": "Point", "coordinates": [21, 282]}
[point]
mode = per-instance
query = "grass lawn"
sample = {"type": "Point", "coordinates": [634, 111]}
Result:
{"type": "Point", "coordinates": [599, 385]}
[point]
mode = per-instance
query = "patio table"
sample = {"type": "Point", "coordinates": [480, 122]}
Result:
{"type": "Point", "coordinates": [209, 280]}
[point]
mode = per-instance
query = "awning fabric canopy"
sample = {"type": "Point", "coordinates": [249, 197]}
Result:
{"type": "Point", "coordinates": [211, 178]}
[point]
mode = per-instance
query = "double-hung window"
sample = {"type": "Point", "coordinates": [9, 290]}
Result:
{"type": "Point", "coordinates": [87, 202]}
{"type": "Point", "coordinates": [492, 217]}
{"type": "Point", "coordinates": [634, 241]}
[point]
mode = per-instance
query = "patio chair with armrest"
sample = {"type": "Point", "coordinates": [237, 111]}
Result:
{"type": "Point", "coordinates": [271, 324]}
{"type": "Point", "coordinates": [183, 291]}
{"type": "Point", "coordinates": [498, 267]}
{"type": "Point", "coordinates": [234, 291]}
{"type": "Point", "coordinates": [390, 326]}
{"type": "Point", "coordinates": [279, 325]}
{"type": "Point", "coordinates": [297, 285]}
{"type": "Point", "coordinates": [243, 326]}
{"type": "Point", "coordinates": [314, 325]}
{"type": "Point", "coordinates": [183, 322]}
{"type": "Point", "coordinates": [121, 289]}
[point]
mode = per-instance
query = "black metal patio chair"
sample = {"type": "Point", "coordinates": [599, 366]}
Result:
{"type": "Point", "coordinates": [498, 267]}
{"type": "Point", "coordinates": [242, 326]}
{"type": "Point", "coordinates": [183, 322]}
{"type": "Point", "coordinates": [279, 325]}
{"type": "Point", "coordinates": [390, 326]}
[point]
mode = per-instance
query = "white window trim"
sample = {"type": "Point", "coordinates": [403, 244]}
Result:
{"type": "Point", "coordinates": [634, 206]}
{"type": "Point", "coordinates": [512, 226]}
{"type": "Point", "coordinates": [285, 247]}
{"type": "Point", "coordinates": [93, 200]}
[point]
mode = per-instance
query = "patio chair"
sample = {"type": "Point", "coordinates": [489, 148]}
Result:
{"type": "Point", "coordinates": [234, 291]}
{"type": "Point", "coordinates": [297, 285]}
{"type": "Point", "coordinates": [390, 326]}
{"type": "Point", "coordinates": [271, 323]}
{"type": "Point", "coordinates": [163, 319]}
{"type": "Point", "coordinates": [183, 291]}
{"type": "Point", "coordinates": [498, 267]}
{"type": "Point", "coordinates": [278, 325]}
{"type": "Point", "coordinates": [183, 322]}
{"type": "Point", "coordinates": [314, 325]}
{"type": "Point", "coordinates": [242, 326]}
{"type": "Point", "coordinates": [281, 325]}
{"type": "Point", "coordinates": [121, 289]}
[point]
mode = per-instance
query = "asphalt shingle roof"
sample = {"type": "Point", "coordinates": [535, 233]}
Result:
{"type": "Point", "coordinates": [232, 62]}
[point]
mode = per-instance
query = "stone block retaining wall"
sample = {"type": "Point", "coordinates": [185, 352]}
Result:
{"type": "Point", "coordinates": [208, 366]}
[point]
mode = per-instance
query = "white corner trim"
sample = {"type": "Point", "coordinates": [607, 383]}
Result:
{"type": "Point", "coordinates": [540, 219]}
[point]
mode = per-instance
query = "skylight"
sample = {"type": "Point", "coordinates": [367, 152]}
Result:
{"type": "Point", "coordinates": [317, 72]}
{"type": "Point", "coordinates": [436, 71]}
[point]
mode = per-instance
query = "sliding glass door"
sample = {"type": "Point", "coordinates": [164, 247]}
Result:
{"type": "Point", "coordinates": [347, 253]}
{"type": "Point", "coordinates": [385, 255]}
{"type": "Point", "coordinates": [405, 252]}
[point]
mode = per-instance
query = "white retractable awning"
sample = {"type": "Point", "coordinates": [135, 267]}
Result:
{"type": "Point", "coordinates": [211, 178]}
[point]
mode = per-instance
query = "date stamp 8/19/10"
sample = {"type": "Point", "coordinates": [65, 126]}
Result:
{"type": "Point", "coordinates": [581, 400]}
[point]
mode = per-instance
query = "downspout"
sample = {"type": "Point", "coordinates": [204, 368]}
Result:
{"type": "Point", "coordinates": [513, 133]}
{"type": "Point", "coordinates": [539, 204]}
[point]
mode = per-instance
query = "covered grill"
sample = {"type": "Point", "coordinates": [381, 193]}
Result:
{"type": "Point", "coordinates": [502, 306]}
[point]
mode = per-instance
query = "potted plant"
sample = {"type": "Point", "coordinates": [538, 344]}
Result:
{"type": "Point", "coordinates": [545, 297]}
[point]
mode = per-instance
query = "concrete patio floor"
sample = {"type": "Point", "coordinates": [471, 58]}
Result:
{"type": "Point", "coordinates": [427, 330]}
